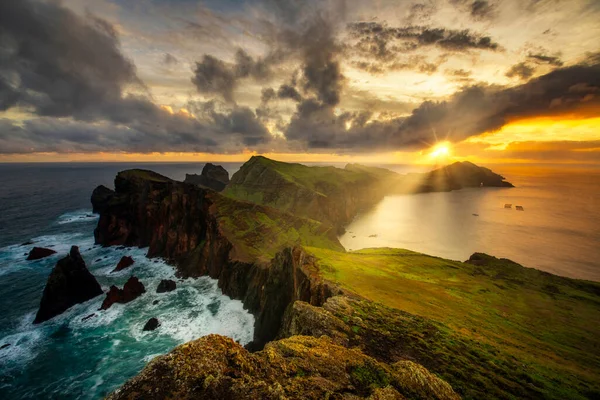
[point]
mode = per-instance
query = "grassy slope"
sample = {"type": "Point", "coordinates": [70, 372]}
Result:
{"type": "Point", "coordinates": [320, 180]}
{"type": "Point", "coordinates": [548, 321]}
{"type": "Point", "coordinates": [259, 232]}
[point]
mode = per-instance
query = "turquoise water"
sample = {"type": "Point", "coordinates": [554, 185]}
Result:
{"type": "Point", "coordinates": [67, 358]}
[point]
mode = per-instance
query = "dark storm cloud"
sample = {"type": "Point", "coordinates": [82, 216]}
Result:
{"type": "Point", "coordinates": [214, 76]}
{"type": "Point", "coordinates": [288, 92]}
{"type": "Point", "coordinates": [521, 70]}
{"type": "Point", "coordinates": [59, 63]}
{"type": "Point", "coordinates": [55, 63]}
{"type": "Point", "coordinates": [471, 111]}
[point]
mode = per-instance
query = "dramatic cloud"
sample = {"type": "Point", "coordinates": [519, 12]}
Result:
{"type": "Point", "coordinates": [375, 37]}
{"type": "Point", "coordinates": [381, 48]}
{"type": "Point", "coordinates": [214, 76]}
{"type": "Point", "coordinates": [58, 63]}
{"type": "Point", "coordinates": [61, 65]}
{"type": "Point", "coordinates": [471, 111]}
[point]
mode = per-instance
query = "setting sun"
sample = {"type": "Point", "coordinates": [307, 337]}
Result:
{"type": "Point", "coordinates": [440, 150]}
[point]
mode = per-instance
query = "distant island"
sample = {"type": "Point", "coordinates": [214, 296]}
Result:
{"type": "Point", "coordinates": [375, 323]}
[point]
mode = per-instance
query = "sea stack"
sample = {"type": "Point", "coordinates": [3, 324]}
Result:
{"type": "Point", "coordinates": [69, 283]}
{"type": "Point", "coordinates": [132, 289]}
{"type": "Point", "coordinates": [213, 176]}
{"type": "Point", "coordinates": [39, 252]}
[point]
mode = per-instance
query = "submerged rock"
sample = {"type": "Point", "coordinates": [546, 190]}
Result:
{"type": "Point", "coordinates": [125, 262]}
{"type": "Point", "coordinates": [166, 285]}
{"type": "Point", "coordinates": [69, 283]}
{"type": "Point", "coordinates": [151, 325]}
{"type": "Point", "coordinates": [132, 289]}
{"type": "Point", "coordinates": [213, 176]}
{"type": "Point", "coordinates": [301, 367]}
{"type": "Point", "coordinates": [39, 252]}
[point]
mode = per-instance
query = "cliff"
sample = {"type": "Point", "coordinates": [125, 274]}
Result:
{"type": "Point", "coordinates": [492, 330]}
{"type": "Point", "coordinates": [214, 177]}
{"type": "Point", "coordinates": [326, 194]}
{"type": "Point", "coordinates": [247, 247]}
{"type": "Point", "coordinates": [334, 195]}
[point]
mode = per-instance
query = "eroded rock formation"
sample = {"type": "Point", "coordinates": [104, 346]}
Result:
{"type": "Point", "coordinates": [39, 252]}
{"type": "Point", "coordinates": [132, 289]}
{"type": "Point", "coordinates": [124, 262]}
{"type": "Point", "coordinates": [69, 283]}
{"type": "Point", "coordinates": [213, 176]}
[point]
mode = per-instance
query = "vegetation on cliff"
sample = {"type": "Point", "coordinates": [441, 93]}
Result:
{"type": "Point", "coordinates": [489, 327]}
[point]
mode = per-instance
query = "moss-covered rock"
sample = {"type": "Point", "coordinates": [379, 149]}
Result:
{"type": "Point", "coordinates": [301, 367]}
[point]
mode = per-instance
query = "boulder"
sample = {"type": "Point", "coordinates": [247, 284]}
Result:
{"type": "Point", "coordinates": [213, 176]}
{"type": "Point", "coordinates": [69, 283]}
{"type": "Point", "coordinates": [39, 252]}
{"type": "Point", "coordinates": [132, 289]}
{"type": "Point", "coordinates": [151, 325]}
{"type": "Point", "coordinates": [125, 262]}
{"type": "Point", "coordinates": [166, 285]}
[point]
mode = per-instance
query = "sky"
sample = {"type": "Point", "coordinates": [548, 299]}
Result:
{"type": "Point", "coordinates": [388, 81]}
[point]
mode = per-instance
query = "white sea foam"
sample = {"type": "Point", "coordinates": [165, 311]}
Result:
{"type": "Point", "coordinates": [77, 216]}
{"type": "Point", "coordinates": [196, 308]}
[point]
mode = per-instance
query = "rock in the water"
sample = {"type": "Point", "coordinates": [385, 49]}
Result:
{"type": "Point", "coordinates": [4, 346]}
{"type": "Point", "coordinates": [132, 290]}
{"type": "Point", "coordinates": [151, 325]}
{"type": "Point", "coordinates": [88, 317]}
{"type": "Point", "coordinates": [69, 283]}
{"type": "Point", "coordinates": [213, 176]}
{"type": "Point", "coordinates": [166, 285]}
{"type": "Point", "coordinates": [125, 262]}
{"type": "Point", "coordinates": [27, 243]}
{"type": "Point", "coordinates": [155, 302]}
{"type": "Point", "coordinates": [100, 197]}
{"type": "Point", "coordinates": [39, 252]}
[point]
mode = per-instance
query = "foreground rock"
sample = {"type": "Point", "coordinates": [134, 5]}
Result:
{"type": "Point", "coordinates": [39, 252]}
{"type": "Point", "coordinates": [166, 285]}
{"type": "Point", "coordinates": [69, 283]}
{"type": "Point", "coordinates": [213, 176]}
{"type": "Point", "coordinates": [132, 289]}
{"type": "Point", "coordinates": [125, 262]}
{"type": "Point", "coordinates": [151, 325]}
{"type": "Point", "coordinates": [301, 367]}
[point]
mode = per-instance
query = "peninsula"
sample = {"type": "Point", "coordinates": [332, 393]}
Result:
{"type": "Point", "coordinates": [375, 323]}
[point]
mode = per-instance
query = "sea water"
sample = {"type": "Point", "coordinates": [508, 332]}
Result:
{"type": "Point", "coordinates": [68, 357]}
{"type": "Point", "coordinates": [558, 231]}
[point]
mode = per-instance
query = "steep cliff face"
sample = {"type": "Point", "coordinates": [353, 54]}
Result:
{"type": "Point", "coordinates": [193, 228]}
{"type": "Point", "coordinates": [326, 194]}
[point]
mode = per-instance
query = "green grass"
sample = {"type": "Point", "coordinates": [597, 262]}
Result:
{"type": "Point", "coordinates": [548, 322]}
{"type": "Point", "coordinates": [259, 232]}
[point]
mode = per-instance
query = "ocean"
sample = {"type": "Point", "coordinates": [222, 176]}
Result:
{"type": "Point", "coordinates": [67, 358]}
